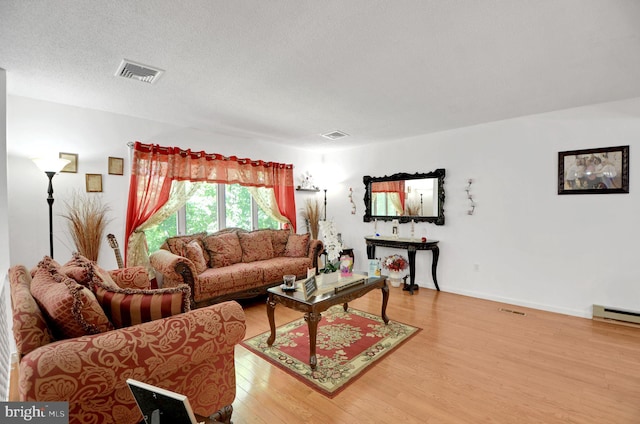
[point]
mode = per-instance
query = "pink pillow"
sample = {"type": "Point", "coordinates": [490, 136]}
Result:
{"type": "Point", "coordinates": [224, 249]}
{"type": "Point", "coordinates": [193, 252]}
{"type": "Point", "coordinates": [256, 246]}
{"type": "Point", "coordinates": [297, 246]}
{"type": "Point", "coordinates": [71, 309]}
{"type": "Point", "coordinates": [279, 240]}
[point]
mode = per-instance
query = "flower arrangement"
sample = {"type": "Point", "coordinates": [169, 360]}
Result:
{"type": "Point", "coordinates": [395, 263]}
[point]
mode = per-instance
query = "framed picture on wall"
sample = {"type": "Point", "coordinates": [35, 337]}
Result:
{"type": "Point", "coordinates": [116, 166]}
{"type": "Point", "coordinates": [94, 183]}
{"type": "Point", "coordinates": [72, 166]}
{"type": "Point", "coordinates": [594, 171]}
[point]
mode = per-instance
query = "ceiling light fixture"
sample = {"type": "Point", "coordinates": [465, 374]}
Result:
{"type": "Point", "coordinates": [138, 71]}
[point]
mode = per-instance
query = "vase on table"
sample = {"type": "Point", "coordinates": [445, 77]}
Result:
{"type": "Point", "coordinates": [395, 278]}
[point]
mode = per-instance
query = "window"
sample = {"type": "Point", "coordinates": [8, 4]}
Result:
{"type": "Point", "coordinates": [212, 207]}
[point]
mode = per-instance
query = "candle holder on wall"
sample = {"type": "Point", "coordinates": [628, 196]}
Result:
{"type": "Point", "coordinates": [470, 197]}
{"type": "Point", "coordinates": [353, 205]}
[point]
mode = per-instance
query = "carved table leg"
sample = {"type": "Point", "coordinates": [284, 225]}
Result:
{"type": "Point", "coordinates": [434, 265]}
{"type": "Point", "coordinates": [271, 306]}
{"type": "Point", "coordinates": [412, 271]}
{"type": "Point", "coordinates": [312, 319]}
{"type": "Point", "coordinates": [345, 307]}
{"type": "Point", "coordinates": [385, 300]}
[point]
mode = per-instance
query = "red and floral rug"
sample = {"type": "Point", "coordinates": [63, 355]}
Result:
{"type": "Point", "coordinates": [348, 344]}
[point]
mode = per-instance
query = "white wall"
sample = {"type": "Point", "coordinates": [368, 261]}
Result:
{"type": "Point", "coordinates": [531, 246]}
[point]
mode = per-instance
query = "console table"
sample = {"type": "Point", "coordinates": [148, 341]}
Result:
{"type": "Point", "coordinates": [411, 245]}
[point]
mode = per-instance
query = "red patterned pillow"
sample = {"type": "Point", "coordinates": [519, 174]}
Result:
{"type": "Point", "coordinates": [279, 240]}
{"type": "Point", "coordinates": [193, 252]}
{"type": "Point", "coordinates": [78, 268]}
{"type": "Point", "coordinates": [224, 249]}
{"type": "Point", "coordinates": [256, 246]}
{"type": "Point", "coordinates": [176, 244]}
{"type": "Point", "coordinates": [71, 309]}
{"type": "Point", "coordinates": [131, 277]}
{"type": "Point", "coordinates": [297, 246]}
{"type": "Point", "coordinates": [127, 307]}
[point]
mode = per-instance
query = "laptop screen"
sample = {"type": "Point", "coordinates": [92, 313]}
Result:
{"type": "Point", "coordinates": [160, 406]}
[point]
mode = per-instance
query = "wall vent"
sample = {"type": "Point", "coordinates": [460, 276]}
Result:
{"type": "Point", "coordinates": [138, 71]}
{"type": "Point", "coordinates": [616, 315]}
{"type": "Point", "coordinates": [334, 135]}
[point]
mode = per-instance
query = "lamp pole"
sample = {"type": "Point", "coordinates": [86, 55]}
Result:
{"type": "Point", "coordinates": [50, 174]}
{"type": "Point", "coordinates": [325, 204]}
{"type": "Point", "coordinates": [50, 166]}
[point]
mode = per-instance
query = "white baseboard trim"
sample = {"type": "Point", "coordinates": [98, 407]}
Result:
{"type": "Point", "coordinates": [518, 302]}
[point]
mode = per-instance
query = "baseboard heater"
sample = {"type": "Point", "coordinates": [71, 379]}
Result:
{"type": "Point", "coordinates": [616, 315]}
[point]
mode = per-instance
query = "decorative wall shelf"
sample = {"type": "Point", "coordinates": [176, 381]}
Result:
{"type": "Point", "coordinates": [307, 189]}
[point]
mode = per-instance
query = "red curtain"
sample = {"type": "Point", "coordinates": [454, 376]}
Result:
{"type": "Point", "coordinates": [154, 167]}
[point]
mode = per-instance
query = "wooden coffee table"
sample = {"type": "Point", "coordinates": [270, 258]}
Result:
{"type": "Point", "coordinates": [313, 306]}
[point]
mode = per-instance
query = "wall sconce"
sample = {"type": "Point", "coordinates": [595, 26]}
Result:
{"type": "Point", "coordinates": [50, 166]}
{"type": "Point", "coordinates": [470, 197]}
{"type": "Point", "coordinates": [353, 205]}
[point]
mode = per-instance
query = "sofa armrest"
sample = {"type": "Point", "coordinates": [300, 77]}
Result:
{"type": "Point", "coordinates": [315, 249]}
{"type": "Point", "coordinates": [133, 277]}
{"type": "Point", "coordinates": [190, 353]}
{"type": "Point", "coordinates": [174, 268]}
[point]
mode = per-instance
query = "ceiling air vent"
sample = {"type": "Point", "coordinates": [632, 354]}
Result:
{"type": "Point", "coordinates": [138, 71]}
{"type": "Point", "coordinates": [334, 135]}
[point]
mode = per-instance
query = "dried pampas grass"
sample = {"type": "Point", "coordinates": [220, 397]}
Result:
{"type": "Point", "coordinates": [87, 218]}
{"type": "Point", "coordinates": [311, 215]}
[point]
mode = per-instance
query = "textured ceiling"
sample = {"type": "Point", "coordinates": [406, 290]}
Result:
{"type": "Point", "coordinates": [287, 71]}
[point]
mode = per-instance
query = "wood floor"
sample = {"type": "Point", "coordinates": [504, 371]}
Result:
{"type": "Point", "coordinates": [471, 363]}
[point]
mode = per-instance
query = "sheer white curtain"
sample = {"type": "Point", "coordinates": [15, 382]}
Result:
{"type": "Point", "coordinates": [138, 252]}
{"type": "Point", "coordinates": [265, 197]}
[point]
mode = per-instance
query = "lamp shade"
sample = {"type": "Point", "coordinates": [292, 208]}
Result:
{"type": "Point", "coordinates": [51, 164]}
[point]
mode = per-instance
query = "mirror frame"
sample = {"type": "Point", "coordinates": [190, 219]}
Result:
{"type": "Point", "coordinates": [438, 173]}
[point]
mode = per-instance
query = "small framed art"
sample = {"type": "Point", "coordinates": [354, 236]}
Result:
{"type": "Point", "coordinates": [94, 183]}
{"type": "Point", "coordinates": [116, 166]}
{"type": "Point", "coordinates": [72, 166]}
{"type": "Point", "coordinates": [594, 171]}
{"type": "Point", "coordinates": [309, 287]}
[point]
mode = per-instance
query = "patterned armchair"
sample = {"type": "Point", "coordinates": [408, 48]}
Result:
{"type": "Point", "coordinates": [190, 353]}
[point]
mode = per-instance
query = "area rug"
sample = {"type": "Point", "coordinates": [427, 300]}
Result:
{"type": "Point", "coordinates": [348, 344]}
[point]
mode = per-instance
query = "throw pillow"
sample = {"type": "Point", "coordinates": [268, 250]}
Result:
{"type": "Point", "coordinates": [279, 240]}
{"type": "Point", "coordinates": [297, 246]}
{"type": "Point", "coordinates": [78, 268]}
{"type": "Point", "coordinates": [256, 246]}
{"type": "Point", "coordinates": [193, 252]}
{"type": "Point", "coordinates": [128, 307]}
{"type": "Point", "coordinates": [224, 249]}
{"type": "Point", "coordinates": [176, 245]}
{"type": "Point", "coordinates": [131, 277]}
{"type": "Point", "coordinates": [71, 309]}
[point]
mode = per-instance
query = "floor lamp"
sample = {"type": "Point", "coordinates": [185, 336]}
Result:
{"type": "Point", "coordinates": [51, 166]}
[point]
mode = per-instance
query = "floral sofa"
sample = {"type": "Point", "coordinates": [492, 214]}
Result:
{"type": "Point", "coordinates": [233, 263]}
{"type": "Point", "coordinates": [80, 335]}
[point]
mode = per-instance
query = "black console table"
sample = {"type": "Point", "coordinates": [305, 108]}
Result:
{"type": "Point", "coordinates": [412, 245]}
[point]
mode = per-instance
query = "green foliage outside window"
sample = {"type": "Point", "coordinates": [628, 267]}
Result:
{"type": "Point", "coordinates": [201, 214]}
{"type": "Point", "coordinates": [202, 210]}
